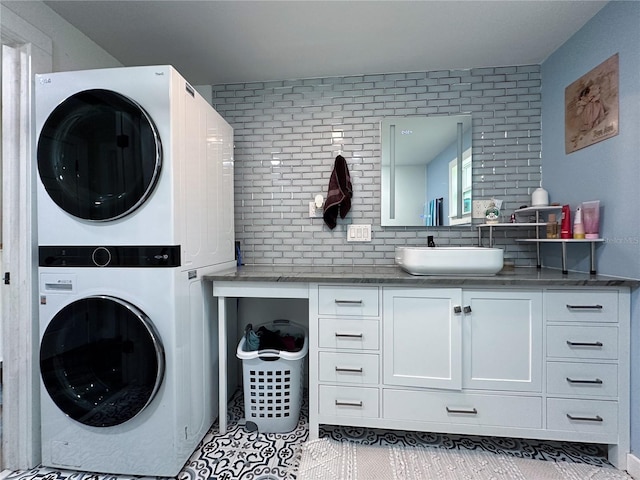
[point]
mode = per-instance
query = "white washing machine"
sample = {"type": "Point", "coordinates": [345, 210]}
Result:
{"type": "Point", "coordinates": [133, 156]}
{"type": "Point", "coordinates": [128, 365]}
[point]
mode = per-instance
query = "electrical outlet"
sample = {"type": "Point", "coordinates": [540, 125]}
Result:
{"type": "Point", "coordinates": [314, 212]}
{"type": "Point", "coordinates": [479, 208]}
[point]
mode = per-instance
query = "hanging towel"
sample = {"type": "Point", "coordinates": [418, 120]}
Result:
{"type": "Point", "coordinates": [431, 217]}
{"type": "Point", "coordinates": [339, 194]}
{"type": "Point", "coordinates": [439, 211]}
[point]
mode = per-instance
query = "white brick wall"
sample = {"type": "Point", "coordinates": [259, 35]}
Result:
{"type": "Point", "coordinates": [288, 133]}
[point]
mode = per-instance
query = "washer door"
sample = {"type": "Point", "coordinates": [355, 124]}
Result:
{"type": "Point", "coordinates": [99, 155]}
{"type": "Point", "coordinates": [101, 361]}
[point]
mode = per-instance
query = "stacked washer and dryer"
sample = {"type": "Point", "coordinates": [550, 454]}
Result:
{"type": "Point", "coordinates": [135, 205]}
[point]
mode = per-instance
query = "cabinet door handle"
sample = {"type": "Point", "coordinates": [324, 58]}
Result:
{"type": "Point", "coordinates": [597, 418]}
{"type": "Point", "coordinates": [348, 302]}
{"type": "Point", "coordinates": [457, 309]}
{"type": "Point", "coordinates": [472, 411]}
{"type": "Point", "coordinates": [584, 307]}
{"type": "Point", "coordinates": [595, 381]}
{"type": "Point", "coordinates": [342, 403]}
{"type": "Point", "coordinates": [585, 344]}
{"type": "Point", "coordinates": [467, 309]}
{"type": "Point", "coordinates": [348, 335]}
{"type": "Point", "coordinates": [349, 369]}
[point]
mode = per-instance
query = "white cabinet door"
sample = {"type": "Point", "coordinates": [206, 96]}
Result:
{"type": "Point", "coordinates": [502, 340]}
{"type": "Point", "coordinates": [422, 337]}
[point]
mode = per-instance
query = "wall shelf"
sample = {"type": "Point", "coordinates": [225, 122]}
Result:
{"type": "Point", "coordinates": [537, 240]}
{"type": "Point", "coordinates": [492, 226]}
{"type": "Point", "coordinates": [548, 208]}
{"type": "Point", "coordinates": [564, 241]}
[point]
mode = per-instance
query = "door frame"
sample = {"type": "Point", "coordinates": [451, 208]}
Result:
{"type": "Point", "coordinates": [25, 51]}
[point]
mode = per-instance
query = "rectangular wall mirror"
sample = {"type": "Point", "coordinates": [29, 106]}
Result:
{"type": "Point", "coordinates": [426, 171]}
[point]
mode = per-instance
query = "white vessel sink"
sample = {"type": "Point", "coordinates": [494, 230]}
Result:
{"type": "Point", "coordinates": [450, 260]}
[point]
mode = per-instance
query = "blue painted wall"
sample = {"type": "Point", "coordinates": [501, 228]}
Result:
{"type": "Point", "coordinates": [608, 171]}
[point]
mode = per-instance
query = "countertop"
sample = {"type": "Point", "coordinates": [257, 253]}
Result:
{"type": "Point", "coordinates": [529, 276]}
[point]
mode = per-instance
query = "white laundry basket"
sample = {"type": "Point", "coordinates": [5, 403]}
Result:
{"type": "Point", "coordinates": [273, 381]}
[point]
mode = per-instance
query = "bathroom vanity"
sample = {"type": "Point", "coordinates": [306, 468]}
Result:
{"type": "Point", "coordinates": [529, 353]}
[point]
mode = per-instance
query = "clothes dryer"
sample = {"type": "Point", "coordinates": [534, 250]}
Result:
{"type": "Point", "coordinates": [128, 365]}
{"type": "Point", "coordinates": [133, 156]}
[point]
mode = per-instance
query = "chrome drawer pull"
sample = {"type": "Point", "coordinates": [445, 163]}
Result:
{"type": "Point", "coordinates": [342, 403]}
{"type": "Point", "coordinates": [584, 344]}
{"type": "Point", "coordinates": [597, 381]}
{"type": "Point", "coordinates": [584, 307]}
{"type": "Point", "coordinates": [347, 369]}
{"type": "Point", "coordinates": [597, 418]}
{"type": "Point", "coordinates": [348, 335]}
{"type": "Point", "coordinates": [473, 411]}
{"type": "Point", "coordinates": [348, 302]}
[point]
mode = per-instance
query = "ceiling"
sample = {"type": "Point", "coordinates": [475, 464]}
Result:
{"type": "Point", "coordinates": [213, 42]}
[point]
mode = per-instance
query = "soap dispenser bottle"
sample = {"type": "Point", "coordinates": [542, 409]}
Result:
{"type": "Point", "coordinates": [552, 226]}
{"type": "Point", "coordinates": [578, 227]}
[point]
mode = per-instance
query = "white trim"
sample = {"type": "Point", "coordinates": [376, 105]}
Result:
{"type": "Point", "coordinates": [466, 220]}
{"type": "Point", "coordinates": [633, 466]}
{"type": "Point", "coordinates": [21, 418]}
{"type": "Point", "coordinates": [16, 31]}
{"type": "Point", "coordinates": [21, 409]}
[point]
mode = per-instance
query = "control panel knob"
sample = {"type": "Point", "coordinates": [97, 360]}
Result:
{"type": "Point", "coordinates": [101, 256]}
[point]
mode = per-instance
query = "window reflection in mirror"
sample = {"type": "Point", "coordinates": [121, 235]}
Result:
{"type": "Point", "coordinates": [420, 180]}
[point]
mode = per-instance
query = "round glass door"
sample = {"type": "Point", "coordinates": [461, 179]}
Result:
{"type": "Point", "coordinates": [99, 155]}
{"type": "Point", "coordinates": [101, 361]}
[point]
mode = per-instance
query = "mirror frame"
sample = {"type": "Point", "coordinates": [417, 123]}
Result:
{"type": "Point", "coordinates": [428, 137]}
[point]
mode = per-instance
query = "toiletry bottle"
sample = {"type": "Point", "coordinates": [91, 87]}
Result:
{"type": "Point", "coordinates": [565, 225]}
{"type": "Point", "coordinates": [552, 226]}
{"type": "Point", "coordinates": [591, 218]}
{"type": "Point", "coordinates": [578, 227]}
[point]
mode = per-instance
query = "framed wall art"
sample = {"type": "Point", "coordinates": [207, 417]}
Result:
{"type": "Point", "coordinates": [591, 106]}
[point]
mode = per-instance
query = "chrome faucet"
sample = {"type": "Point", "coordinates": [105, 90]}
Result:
{"type": "Point", "coordinates": [430, 242]}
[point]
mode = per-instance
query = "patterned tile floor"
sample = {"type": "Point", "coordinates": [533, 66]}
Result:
{"type": "Point", "coordinates": [245, 455]}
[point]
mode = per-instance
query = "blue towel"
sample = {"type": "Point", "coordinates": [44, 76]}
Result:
{"type": "Point", "coordinates": [431, 218]}
{"type": "Point", "coordinates": [252, 341]}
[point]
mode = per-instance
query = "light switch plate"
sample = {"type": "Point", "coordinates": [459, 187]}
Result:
{"type": "Point", "coordinates": [359, 233]}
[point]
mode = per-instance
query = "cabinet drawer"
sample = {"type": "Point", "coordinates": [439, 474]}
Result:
{"type": "Point", "coordinates": [348, 301]}
{"type": "Point", "coordinates": [349, 334]}
{"type": "Point", "coordinates": [583, 416]}
{"type": "Point", "coordinates": [565, 378]}
{"type": "Point", "coordinates": [348, 401]}
{"type": "Point", "coordinates": [355, 368]}
{"type": "Point", "coordinates": [581, 306]}
{"type": "Point", "coordinates": [462, 408]}
{"type": "Point", "coordinates": [598, 343]}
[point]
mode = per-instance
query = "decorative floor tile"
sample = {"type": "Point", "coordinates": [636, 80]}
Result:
{"type": "Point", "coordinates": [242, 454]}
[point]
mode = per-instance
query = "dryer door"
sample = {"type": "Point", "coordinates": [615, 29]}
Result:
{"type": "Point", "coordinates": [99, 155]}
{"type": "Point", "coordinates": [101, 361]}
